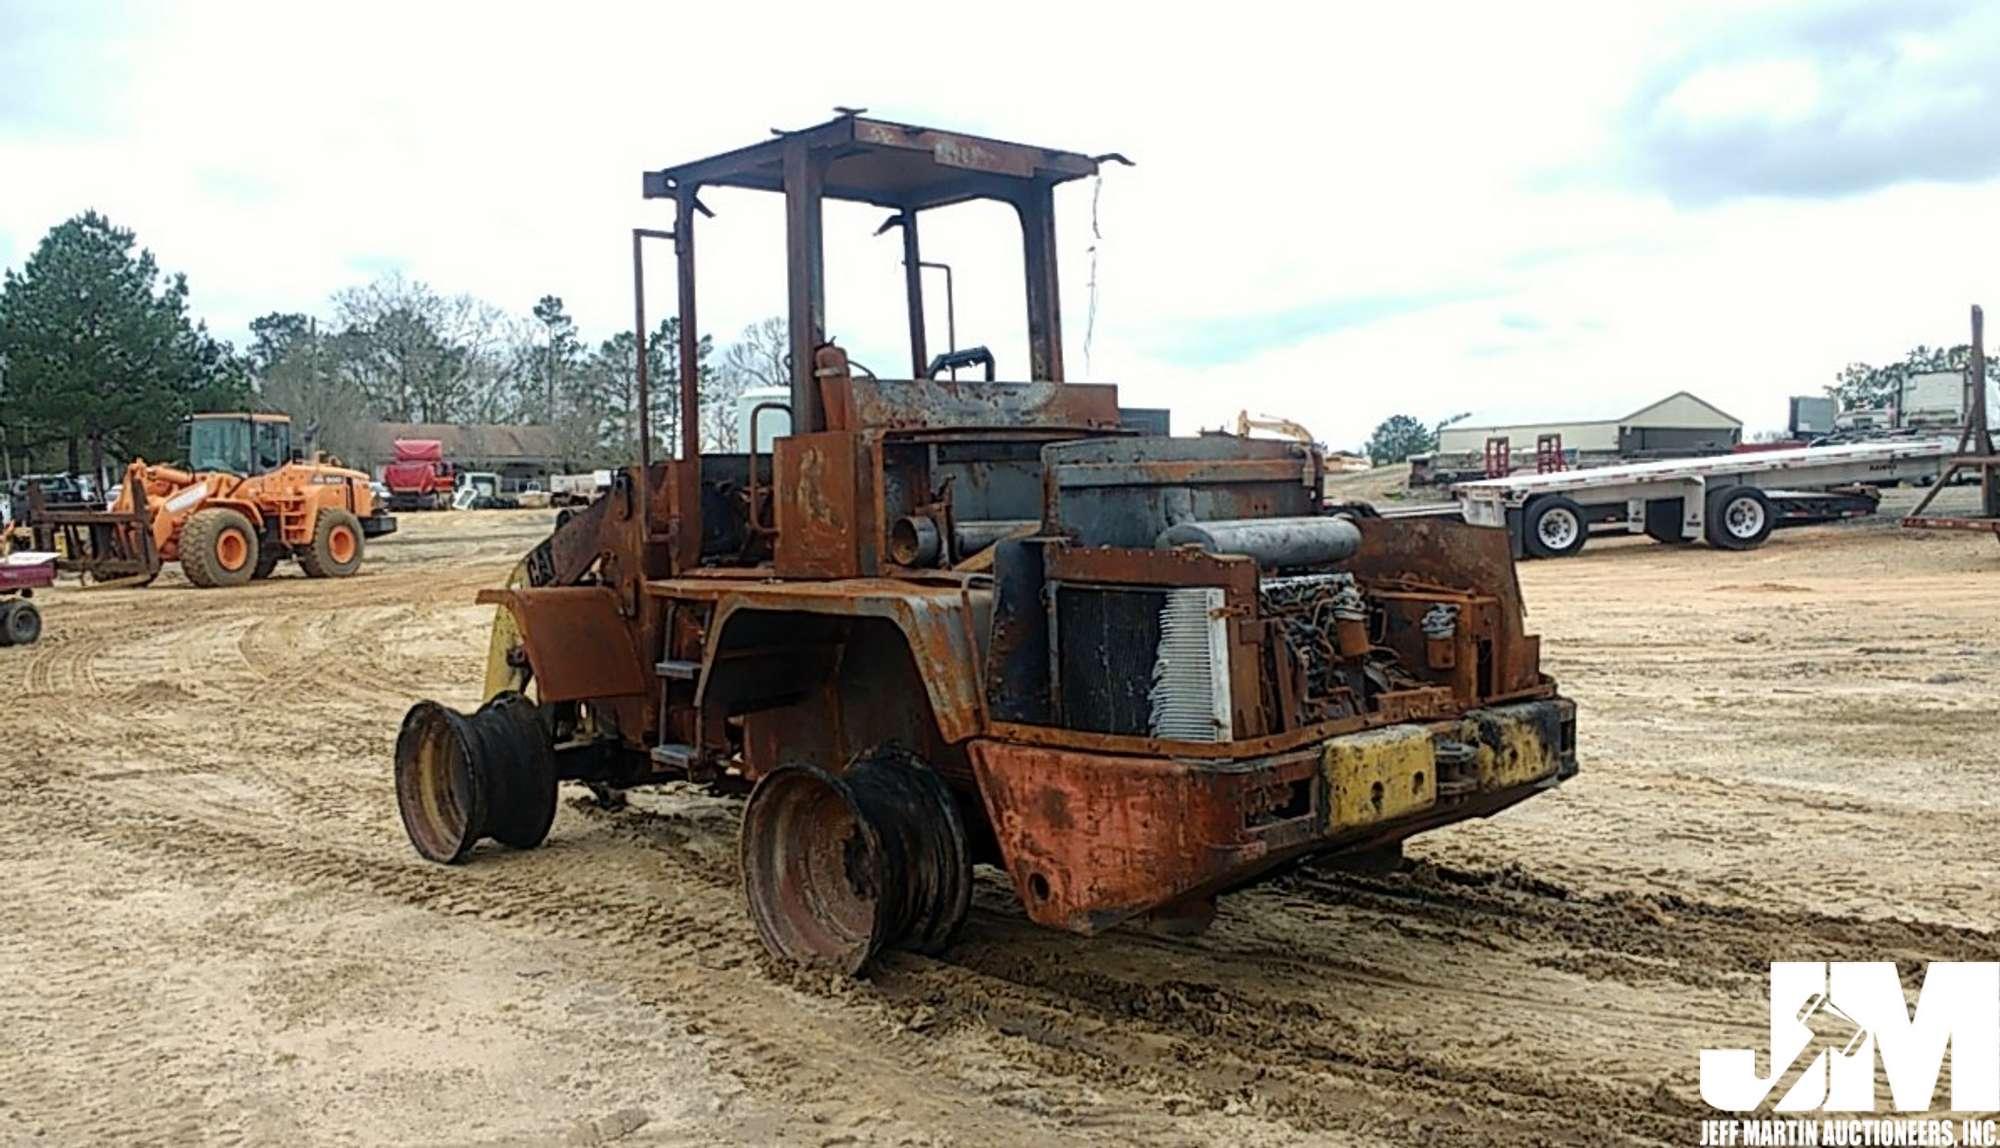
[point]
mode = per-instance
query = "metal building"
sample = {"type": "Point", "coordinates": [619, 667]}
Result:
{"type": "Point", "coordinates": [1680, 424]}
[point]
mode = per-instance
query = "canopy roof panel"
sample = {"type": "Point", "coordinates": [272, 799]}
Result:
{"type": "Point", "coordinates": [888, 164]}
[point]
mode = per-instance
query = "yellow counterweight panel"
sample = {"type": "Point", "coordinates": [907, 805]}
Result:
{"type": "Point", "coordinates": [1379, 776]}
{"type": "Point", "coordinates": [1514, 747]}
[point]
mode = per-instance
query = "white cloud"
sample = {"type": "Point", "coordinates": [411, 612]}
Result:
{"type": "Point", "coordinates": [1338, 214]}
{"type": "Point", "coordinates": [1777, 92]}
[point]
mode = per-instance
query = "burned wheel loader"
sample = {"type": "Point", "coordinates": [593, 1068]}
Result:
{"type": "Point", "coordinates": [955, 622]}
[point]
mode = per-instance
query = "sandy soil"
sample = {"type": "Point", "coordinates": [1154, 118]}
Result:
{"type": "Point", "coordinates": [213, 930]}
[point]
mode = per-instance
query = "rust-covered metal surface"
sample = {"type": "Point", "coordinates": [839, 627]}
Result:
{"type": "Point", "coordinates": [941, 621]}
{"type": "Point", "coordinates": [934, 404]}
{"type": "Point", "coordinates": [1133, 670]}
{"type": "Point", "coordinates": [887, 164]}
{"type": "Point", "coordinates": [824, 506]}
{"type": "Point", "coordinates": [576, 640]}
{"type": "Point", "coordinates": [1092, 839]}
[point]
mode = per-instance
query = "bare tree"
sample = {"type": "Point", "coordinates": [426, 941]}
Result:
{"type": "Point", "coordinates": [419, 356]}
{"type": "Point", "coordinates": [303, 380]}
{"type": "Point", "coordinates": [760, 357]}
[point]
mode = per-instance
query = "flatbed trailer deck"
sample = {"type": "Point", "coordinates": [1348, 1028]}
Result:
{"type": "Point", "coordinates": [1732, 501]}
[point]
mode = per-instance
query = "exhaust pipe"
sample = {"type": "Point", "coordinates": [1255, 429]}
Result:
{"type": "Point", "coordinates": [838, 867]}
{"type": "Point", "coordinates": [461, 778]}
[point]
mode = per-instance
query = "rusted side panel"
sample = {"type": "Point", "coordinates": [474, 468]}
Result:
{"type": "Point", "coordinates": [577, 642]}
{"type": "Point", "coordinates": [1126, 491]}
{"type": "Point", "coordinates": [942, 624]}
{"type": "Point", "coordinates": [1091, 840]}
{"type": "Point", "coordinates": [1180, 567]}
{"type": "Point", "coordinates": [918, 404]}
{"type": "Point", "coordinates": [823, 506]}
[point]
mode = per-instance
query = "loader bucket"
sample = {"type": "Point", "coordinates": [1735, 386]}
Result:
{"type": "Point", "coordinates": [461, 778]}
{"type": "Point", "coordinates": [838, 867]}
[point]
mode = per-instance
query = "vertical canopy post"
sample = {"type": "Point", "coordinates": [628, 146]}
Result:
{"type": "Point", "coordinates": [690, 342]}
{"type": "Point", "coordinates": [913, 288]}
{"type": "Point", "coordinates": [805, 277]}
{"type": "Point", "coordinates": [1036, 207]}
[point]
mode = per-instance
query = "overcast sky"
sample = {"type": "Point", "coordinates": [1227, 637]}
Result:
{"type": "Point", "coordinates": [1338, 212]}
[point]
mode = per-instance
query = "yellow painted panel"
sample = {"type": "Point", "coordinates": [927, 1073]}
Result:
{"type": "Point", "coordinates": [1514, 749]}
{"type": "Point", "coordinates": [1379, 775]}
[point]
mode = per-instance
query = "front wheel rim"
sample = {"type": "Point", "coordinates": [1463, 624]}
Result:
{"type": "Point", "coordinates": [1557, 528]}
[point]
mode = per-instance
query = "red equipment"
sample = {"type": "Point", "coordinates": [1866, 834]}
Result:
{"type": "Point", "coordinates": [21, 574]}
{"type": "Point", "coordinates": [420, 478]}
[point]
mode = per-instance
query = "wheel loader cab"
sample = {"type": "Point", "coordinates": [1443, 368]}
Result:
{"type": "Point", "coordinates": [241, 444]}
{"type": "Point", "coordinates": [943, 621]}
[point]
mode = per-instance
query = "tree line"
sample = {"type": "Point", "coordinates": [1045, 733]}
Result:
{"type": "Point", "coordinates": [1860, 386]}
{"type": "Point", "coordinates": [100, 359]}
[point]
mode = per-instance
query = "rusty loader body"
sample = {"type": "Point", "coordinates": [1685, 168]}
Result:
{"type": "Point", "coordinates": [954, 622]}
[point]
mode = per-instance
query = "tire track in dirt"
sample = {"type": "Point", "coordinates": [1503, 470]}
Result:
{"type": "Point", "coordinates": [1768, 773]}
{"type": "Point", "coordinates": [672, 951]}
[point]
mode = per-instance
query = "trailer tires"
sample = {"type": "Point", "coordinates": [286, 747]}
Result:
{"type": "Point", "coordinates": [218, 548]}
{"type": "Point", "coordinates": [1739, 518]}
{"type": "Point", "coordinates": [1554, 527]}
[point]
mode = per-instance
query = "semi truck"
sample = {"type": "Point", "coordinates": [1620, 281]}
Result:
{"type": "Point", "coordinates": [419, 478]}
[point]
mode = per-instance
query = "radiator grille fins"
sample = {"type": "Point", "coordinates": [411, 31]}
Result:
{"type": "Point", "coordinates": [1144, 661]}
{"type": "Point", "coordinates": [1190, 692]}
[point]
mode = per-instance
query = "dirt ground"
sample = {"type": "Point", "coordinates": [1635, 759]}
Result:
{"type": "Point", "coordinates": [213, 930]}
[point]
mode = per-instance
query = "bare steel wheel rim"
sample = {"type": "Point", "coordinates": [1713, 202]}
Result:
{"type": "Point", "coordinates": [837, 867]}
{"type": "Point", "coordinates": [1743, 517]}
{"type": "Point", "coordinates": [434, 786]}
{"type": "Point", "coordinates": [813, 870]}
{"type": "Point", "coordinates": [1558, 528]}
{"type": "Point", "coordinates": [341, 544]}
{"type": "Point", "coordinates": [464, 777]}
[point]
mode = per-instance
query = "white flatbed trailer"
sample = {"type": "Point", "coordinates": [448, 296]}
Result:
{"type": "Point", "coordinates": [1733, 501]}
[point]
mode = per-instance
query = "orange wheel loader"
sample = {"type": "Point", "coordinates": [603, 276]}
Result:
{"type": "Point", "coordinates": [244, 502]}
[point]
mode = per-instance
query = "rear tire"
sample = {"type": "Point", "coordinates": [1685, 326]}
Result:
{"type": "Point", "coordinates": [218, 548]}
{"type": "Point", "coordinates": [1554, 527]}
{"type": "Point", "coordinates": [838, 867]}
{"type": "Point", "coordinates": [336, 546]}
{"type": "Point", "coordinates": [1739, 518]}
{"type": "Point", "coordinates": [20, 625]}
